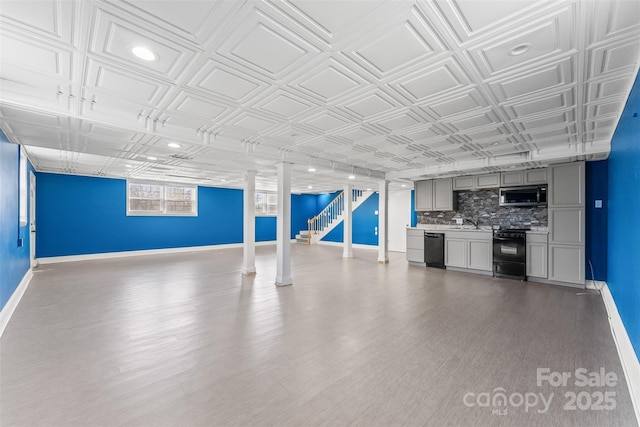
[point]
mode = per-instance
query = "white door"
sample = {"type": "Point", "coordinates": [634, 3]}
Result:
{"type": "Point", "coordinates": [32, 219]}
{"type": "Point", "coordinates": [399, 219]}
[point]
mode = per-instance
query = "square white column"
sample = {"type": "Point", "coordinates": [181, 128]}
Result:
{"type": "Point", "coordinates": [383, 222]}
{"type": "Point", "coordinates": [249, 225]}
{"type": "Point", "coordinates": [283, 231]}
{"type": "Point", "coordinates": [347, 222]}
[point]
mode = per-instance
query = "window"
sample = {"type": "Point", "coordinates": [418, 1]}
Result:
{"type": "Point", "coordinates": [266, 204]}
{"type": "Point", "coordinates": [23, 188]}
{"type": "Point", "coordinates": [145, 198]}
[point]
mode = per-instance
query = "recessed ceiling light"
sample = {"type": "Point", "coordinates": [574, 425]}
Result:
{"type": "Point", "coordinates": [128, 166]}
{"type": "Point", "coordinates": [152, 158]}
{"type": "Point", "coordinates": [403, 185]}
{"type": "Point", "coordinates": [311, 169]}
{"type": "Point", "coordinates": [495, 143]}
{"type": "Point", "coordinates": [223, 180]}
{"type": "Point", "coordinates": [519, 49]}
{"type": "Point", "coordinates": [368, 189]}
{"type": "Point", "coordinates": [174, 145]}
{"type": "Point", "coordinates": [352, 177]}
{"type": "Point", "coordinates": [143, 53]}
{"type": "Point", "coordinates": [310, 187]}
{"type": "Point", "coordinates": [512, 167]}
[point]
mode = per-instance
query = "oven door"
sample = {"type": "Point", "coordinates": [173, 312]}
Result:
{"type": "Point", "coordinates": [508, 249]}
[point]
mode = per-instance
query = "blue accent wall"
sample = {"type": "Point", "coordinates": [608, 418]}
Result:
{"type": "Point", "coordinates": [86, 215]}
{"type": "Point", "coordinates": [414, 214]}
{"type": "Point", "coordinates": [596, 220]}
{"type": "Point", "coordinates": [14, 260]}
{"type": "Point", "coordinates": [303, 207]}
{"type": "Point", "coordinates": [364, 224]}
{"type": "Point", "coordinates": [623, 275]}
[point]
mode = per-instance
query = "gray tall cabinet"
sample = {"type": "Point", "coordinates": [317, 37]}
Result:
{"type": "Point", "coordinates": [566, 202]}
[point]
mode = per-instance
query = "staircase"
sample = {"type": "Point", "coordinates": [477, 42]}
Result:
{"type": "Point", "coordinates": [321, 224]}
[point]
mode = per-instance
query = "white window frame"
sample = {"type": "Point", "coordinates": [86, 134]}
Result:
{"type": "Point", "coordinates": [163, 205]}
{"type": "Point", "coordinates": [24, 193]}
{"type": "Point", "coordinates": [266, 195]}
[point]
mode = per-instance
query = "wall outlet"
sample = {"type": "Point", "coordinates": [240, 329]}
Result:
{"type": "Point", "coordinates": [20, 242]}
{"type": "Point", "coordinates": [598, 204]}
{"type": "Point", "coordinates": [459, 221]}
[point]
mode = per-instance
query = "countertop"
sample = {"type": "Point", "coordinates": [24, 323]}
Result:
{"type": "Point", "coordinates": [483, 228]}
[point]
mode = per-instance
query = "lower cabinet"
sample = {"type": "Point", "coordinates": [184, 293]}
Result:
{"type": "Point", "coordinates": [415, 245]}
{"type": "Point", "coordinates": [566, 263]}
{"type": "Point", "coordinates": [455, 252]}
{"type": "Point", "coordinates": [537, 255]}
{"type": "Point", "coordinates": [469, 249]}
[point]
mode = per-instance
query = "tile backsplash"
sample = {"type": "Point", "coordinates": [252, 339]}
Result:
{"type": "Point", "coordinates": [483, 206]}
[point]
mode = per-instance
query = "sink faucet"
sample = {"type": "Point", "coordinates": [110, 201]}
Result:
{"type": "Point", "coordinates": [474, 223]}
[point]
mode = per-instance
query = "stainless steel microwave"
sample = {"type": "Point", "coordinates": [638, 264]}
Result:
{"type": "Point", "coordinates": [524, 196]}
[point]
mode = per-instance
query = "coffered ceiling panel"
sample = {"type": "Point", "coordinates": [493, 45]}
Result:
{"type": "Point", "coordinates": [395, 90]}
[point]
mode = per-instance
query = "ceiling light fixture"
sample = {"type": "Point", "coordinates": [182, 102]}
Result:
{"type": "Point", "coordinates": [152, 158]}
{"type": "Point", "coordinates": [128, 166]}
{"type": "Point", "coordinates": [403, 185]}
{"type": "Point", "coordinates": [519, 49]}
{"type": "Point", "coordinates": [174, 145]}
{"type": "Point", "coordinates": [311, 169]}
{"type": "Point", "coordinates": [223, 180]}
{"type": "Point", "coordinates": [310, 187]}
{"type": "Point", "coordinates": [143, 53]}
{"type": "Point", "coordinates": [368, 189]}
{"type": "Point", "coordinates": [352, 177]}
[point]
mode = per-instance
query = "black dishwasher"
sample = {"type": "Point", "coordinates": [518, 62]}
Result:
{"type": "Point", "coordinates": [434, 249]}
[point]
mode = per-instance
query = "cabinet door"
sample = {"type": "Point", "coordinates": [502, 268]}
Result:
{"type": "Point", "coordinates": [463, 183]}
{"type": "Point", "coordinates": [415, 240]}
{"type": "Point", "coordinates": [566, 263]}
{"type": "Point", "coordinates": [537, 260]}
{"type": "Point", "coordinates": [566, 185]}
{"type": "Point", "coordinates": [566, 226]}
{"type": "Point", "coordinates": [480, 254]}
{"type": "Point", "coordinates": [535, 176]}
{"type": "Point", "coordinates": [511, 179]}
{"type": "Point", "coordinates": [415, 255]}
{"type": "Point", "coordinates": [423, 195]}
{"type": "Point", "coordinates": [443, 194]}
{"type": "Point", "coordinates": [455, 253]}
{"type": "Point", "coordinates": [491, 180]}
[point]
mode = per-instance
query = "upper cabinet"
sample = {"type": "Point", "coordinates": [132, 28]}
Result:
{"type": "Point", "coordinates": [524, 177]}
{"type": "Point", "coordinates": [511, 179]}
{"type": "Point", "coordinates": [475, 182]}
{"type": "Point", "coordinates": [566, 187]}
{"type": "Point", "coordinates": [434, 195]}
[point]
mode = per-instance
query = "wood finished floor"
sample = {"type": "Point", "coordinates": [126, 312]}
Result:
{"type": "Point", "coordinates": [185, 339]}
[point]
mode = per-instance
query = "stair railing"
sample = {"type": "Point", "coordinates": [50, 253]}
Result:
{"type": "Point", "coordinates": [328, 214]}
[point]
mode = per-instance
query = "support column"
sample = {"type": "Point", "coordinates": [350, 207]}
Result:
{"type": "Point", "coordinates": [347, 251]}
{"type": "Point", "coordinates": [283, 231]}
{"type": "Point", "coordinates": [249, 225]}
{"type": "Point", "coordinates": [383, 222]}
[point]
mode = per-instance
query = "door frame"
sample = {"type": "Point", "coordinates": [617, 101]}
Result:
{"type": "Point", "coordinates": [32, 220]}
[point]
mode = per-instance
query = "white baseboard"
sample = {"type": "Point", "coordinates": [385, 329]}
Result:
{"type": "Point", "coordinates": [594, 284]}
{"type": "Point", "coordinates": [628, 357]}
{"type": "Point", "coordinates": [106, 255]}
{"type": "Point", "coordinates": [10, 306]}
{"type": "Point", "coordinates": [354, 245]}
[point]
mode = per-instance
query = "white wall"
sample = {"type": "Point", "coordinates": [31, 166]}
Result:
{"type": "Point", "coordinates": [399, 219]}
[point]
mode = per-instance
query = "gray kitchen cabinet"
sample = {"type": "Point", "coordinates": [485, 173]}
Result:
{"type": "Point", "coordinates": [511, 179]}
{"type": "Point", "coordinates": [566, 185]}
{"type": "Point", "coordinates": [423, 193]}
{"type": "Point", "coordinates": [455, 252]}
{"type": "Point", "coordinates": [415, 245]}
{"type": "Point", "coordinates": [535, 176]}
{"type": "Point", "coordinates": [480, 254]}
{"type": "Point", "coordinates": [537, 255]}
{"type": "Point", "coordinates": [566, 226]}
{"type": "Point", "coordinates": [490, 180]}
{"type": "Point", "coordinates": [566, 201]}
{"type": "Point", "coordinates": [434, 195]}
{"type": "Point", "coordinates": [475, 182]}
{"type": "Point", "coordinates": [469, 249]}
{"type": "Point", "coordinates": [443, 194]}
{"type": "Point", "coordinates": [566, 263]}
{"type": "Point", "coordinates": [463, 183]}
